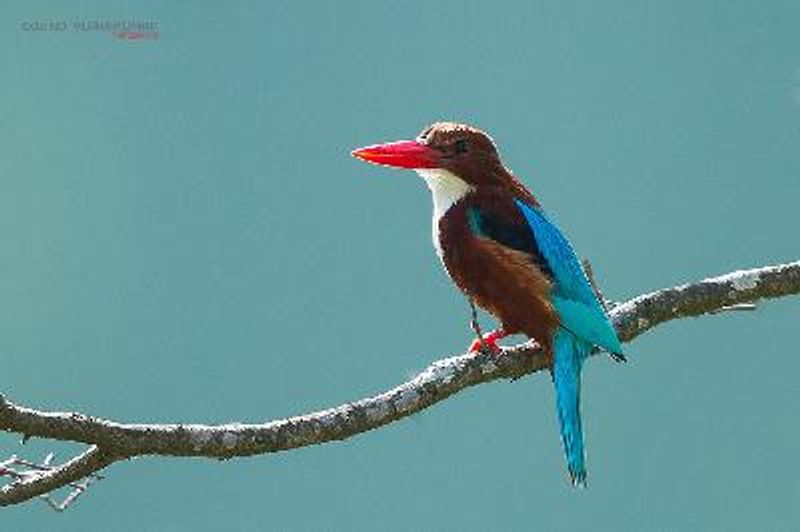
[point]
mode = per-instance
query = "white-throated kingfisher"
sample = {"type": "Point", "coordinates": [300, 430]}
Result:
{"type": "Point", "coordinates": [504, 253]}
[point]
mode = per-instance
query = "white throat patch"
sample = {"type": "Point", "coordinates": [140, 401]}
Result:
{"type": "Point", "coordinates": [447, 190]}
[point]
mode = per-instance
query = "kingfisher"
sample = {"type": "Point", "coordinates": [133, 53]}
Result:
{"type": "Point", "coordinates": [507, 256]}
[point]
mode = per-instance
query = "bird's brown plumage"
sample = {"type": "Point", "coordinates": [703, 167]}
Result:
{"type": "Point", "coordinates": [509, 283]}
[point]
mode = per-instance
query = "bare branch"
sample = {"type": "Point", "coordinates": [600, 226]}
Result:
{"type": "Point", "coordinates": [32, 484]}
{"type": "Point", "coordinates": [78, 490]}
{"type": "Point", "coordinates": [112, 441]}
{"type": "Point", "coordinates": [24, 471]}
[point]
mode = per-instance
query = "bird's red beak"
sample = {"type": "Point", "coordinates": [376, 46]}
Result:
{"type": "Point", "coordinates": [401, 154]}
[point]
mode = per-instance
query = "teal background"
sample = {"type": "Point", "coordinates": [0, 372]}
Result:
{"type": "Point", "coordinates": [184, 237]}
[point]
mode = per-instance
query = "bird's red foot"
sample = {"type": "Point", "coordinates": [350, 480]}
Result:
{"type": "Point", "coordinates": [490, 341]}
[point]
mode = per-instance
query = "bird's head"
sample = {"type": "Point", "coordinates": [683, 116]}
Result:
{"type": "Point", "coordinates": [458, 149]}
{"type": "Point", "coordinates": [454, 159]}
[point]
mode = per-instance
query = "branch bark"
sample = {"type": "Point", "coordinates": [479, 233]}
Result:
{"type": "Point", "coordinates": [111, 441]}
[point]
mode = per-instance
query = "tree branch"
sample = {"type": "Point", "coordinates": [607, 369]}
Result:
{"type": "Point", "coordinates": [111, 441]}
{"type": "Point", "coordinates": [45, 480]}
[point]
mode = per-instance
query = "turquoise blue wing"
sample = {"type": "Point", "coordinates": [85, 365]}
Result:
{"type": "Point", "coordinates": [573, 298]}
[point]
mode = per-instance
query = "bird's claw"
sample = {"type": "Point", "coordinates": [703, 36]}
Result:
{"type": "Point", "coordinates": [488, 343]}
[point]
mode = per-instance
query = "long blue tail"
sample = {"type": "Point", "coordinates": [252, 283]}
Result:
{"type": "Point", "coordinates": [569, 353]}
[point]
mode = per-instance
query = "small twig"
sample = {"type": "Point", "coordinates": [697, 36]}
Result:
{"type": "Point", "coordinates": [78, 490]}
{"type": "Point", "coordinates": [746, 307]}
{"type": "Point", "coordinates": [607, 305]}
{"type": "Point", "coordinates": [587, 268]}
{"type": "Point", "coordinates": [35, 471]}
{"type": "Point", "coordinates": [45, 466]}
{"type": "Point", "coordinates": [76, 473]}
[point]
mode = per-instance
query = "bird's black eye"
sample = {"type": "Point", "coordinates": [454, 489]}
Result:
{"type": "Point", "coordinates": [460, 146]}
{"type": "Point", "coordinates": [423, 137]}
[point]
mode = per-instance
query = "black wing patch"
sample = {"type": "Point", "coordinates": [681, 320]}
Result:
{"type": "Point", "coordinates": [518, 236]}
